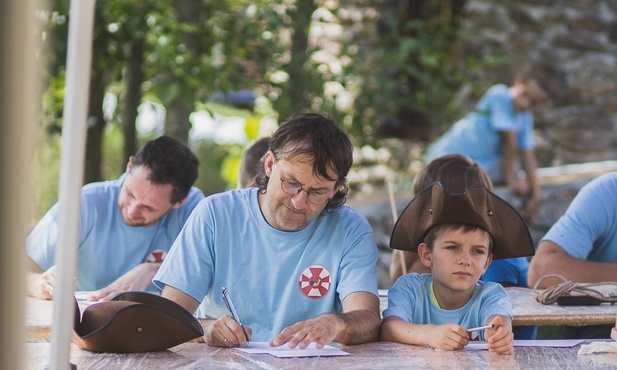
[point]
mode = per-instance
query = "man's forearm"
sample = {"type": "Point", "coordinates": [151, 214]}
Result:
{"type": "Point", "coordinates": [360, 326]}
{"type": "Point", "coordinates": [530, 166]}
{"type": "Point", "coordinates": [573, 269]}
{"type": "Point", "coordinates": [151, 269]}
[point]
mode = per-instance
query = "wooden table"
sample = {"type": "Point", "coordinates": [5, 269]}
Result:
{"type": "Point", "coordinates": [527, 311]}
{"type": "Point", "coordinates": [366, 356]}
{"type": "Point", "coordinates": [38, 319]}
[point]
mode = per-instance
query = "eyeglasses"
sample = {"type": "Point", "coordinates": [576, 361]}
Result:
{"type": "Point", "coordinates": [316, 197]}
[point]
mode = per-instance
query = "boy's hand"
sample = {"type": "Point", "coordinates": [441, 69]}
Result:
{"type": "Point", "coordinates": [500, 338]}
{"type": "Point", "coordinates": [449, 337]}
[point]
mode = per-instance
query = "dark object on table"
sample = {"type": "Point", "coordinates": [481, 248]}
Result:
{"type": "Point", "coordinates": [134, 322]}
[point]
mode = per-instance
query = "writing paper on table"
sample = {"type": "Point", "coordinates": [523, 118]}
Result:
{"type": "Point", "coordinates": [284, 351]}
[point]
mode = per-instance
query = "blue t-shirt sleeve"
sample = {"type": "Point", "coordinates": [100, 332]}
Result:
{"type": "Point", "coordinates": [401, 299]}
{"type": "Point", "coordinates": [41, 243]}
{"type": "Point", "coordinates": [585, 221]}
{"type": "Point", "coordinates": [189, 265]}
{"type": "Point", "coordinates": [495, 301]}
{"type": "Point", "coordinates": [526, 138]}
{"type": "Point", "coordinates": [502, 116]}
{"type": "Point", "coordinates": [358, 268]}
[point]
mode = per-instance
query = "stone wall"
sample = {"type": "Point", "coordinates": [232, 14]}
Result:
{"type": "Point", "coordinates": [580, 38]}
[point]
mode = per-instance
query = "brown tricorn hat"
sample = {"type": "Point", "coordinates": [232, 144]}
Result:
{"type": "Point", "coordinates": [476, 206]}
{"type": "Point", "coordinates": [134, 322]}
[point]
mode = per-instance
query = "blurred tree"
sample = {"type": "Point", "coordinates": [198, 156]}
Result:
{"type": "Point", "coordinates": [190, 36]}
{"type": "Point", "coordinates": [408, 74]}
{"type": "Point", "coordinates": [301, 83]}
{"type": "Point", "coordinates": [298, 55]}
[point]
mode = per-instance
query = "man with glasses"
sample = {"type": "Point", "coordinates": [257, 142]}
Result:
{"type": "Point", "coordinates": [299, 266]}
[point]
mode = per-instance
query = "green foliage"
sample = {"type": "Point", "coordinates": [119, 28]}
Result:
{"type": "Point", "coordinates": [412, 70]}
{"type": "Point", "coordinates": [212, 157]}
{"type": "Point", "coordinates": [113, 141]}
{"type": "Point", "coordinates": [230, 168]}
{"type": "Point", "coordinates": [272, 48]}
{"type": "Point", "coordinates": [45, 174]}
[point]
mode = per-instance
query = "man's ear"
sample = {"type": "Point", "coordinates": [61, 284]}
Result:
{"type": "Point", "coordinates": [128, 165]}
{"type": "Point", "coordinates": [180, 203]}
{"type": "Point", "coordinates": [425, 255]}
{"type": "Point", "coordinates": [269, 161]}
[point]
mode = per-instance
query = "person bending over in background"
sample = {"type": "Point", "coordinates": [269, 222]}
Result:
{"type": "Point", "coordinates": [498, 133]}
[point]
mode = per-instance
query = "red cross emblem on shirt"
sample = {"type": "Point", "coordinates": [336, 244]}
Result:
{"type": "Point", "coordinates": [315, 282]}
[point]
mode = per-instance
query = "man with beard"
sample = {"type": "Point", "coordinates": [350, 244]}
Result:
{"type": "Point", "coordinates": [126, 226]}
{"type": "Point", "coordinates": [300, 266]}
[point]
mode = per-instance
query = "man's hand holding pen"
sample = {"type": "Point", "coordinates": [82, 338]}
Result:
{"type": "Point", "coordinates": [226, 332]}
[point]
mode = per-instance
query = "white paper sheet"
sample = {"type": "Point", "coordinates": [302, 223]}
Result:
{"type": "Point", "coordinates": [561, 343]}
{"type": "Point", "coordinates": [285, 351]}
{"type": "Point", "coordinates": [82, 296]}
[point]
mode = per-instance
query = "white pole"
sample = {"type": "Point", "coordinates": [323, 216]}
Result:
{"type": "Point", "coordinates": [81, 19]}
{"type": "Point", "coordinates": [394, 218]}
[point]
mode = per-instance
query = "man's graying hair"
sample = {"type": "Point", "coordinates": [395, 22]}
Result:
{"type": "Point", "coordinates": [318, 137]}
{"type": "Point", "coordinates": [169, 162]}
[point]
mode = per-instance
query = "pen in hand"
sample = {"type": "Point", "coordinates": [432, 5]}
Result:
{"type": "Point", "coordinates": [480, 328]}
{"type": "Point", "coordinates": [232, 309]}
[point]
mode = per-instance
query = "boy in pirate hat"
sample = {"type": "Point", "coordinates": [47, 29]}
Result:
{"type": "Point", "coordinates": [456, 236]}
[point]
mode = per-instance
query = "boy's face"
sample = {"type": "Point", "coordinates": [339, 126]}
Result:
{"type": "Point", "coordinates": [457, 261]}
{"type": "Point", "coordinates": [527, 95]}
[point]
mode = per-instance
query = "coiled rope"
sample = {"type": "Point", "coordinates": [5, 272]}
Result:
{"type": "Point", "coordinates": [550, 295]}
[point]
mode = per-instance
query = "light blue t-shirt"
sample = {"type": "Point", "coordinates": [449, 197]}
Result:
{"type": "Point", "coordinates": [477, 134]}
{"type": "Point", "coordinates": [588, 229]}
{"type": "Point", "coordinates": [108, 248]}
{"type": "Point", "coordinates": [275, 278]}
{"type": "Point", "coordinates": [409, 299]}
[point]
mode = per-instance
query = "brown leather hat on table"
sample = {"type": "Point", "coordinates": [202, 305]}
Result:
{"type": "Point", "coordinates": [134, 322]}
{"type": "Point", "coordinates": [476, 206]}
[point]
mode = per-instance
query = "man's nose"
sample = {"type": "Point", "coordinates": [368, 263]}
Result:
{"type": "Point", "coordinates": [133, 209]}
{"type": "Point", "coordinates": [300, 200]}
